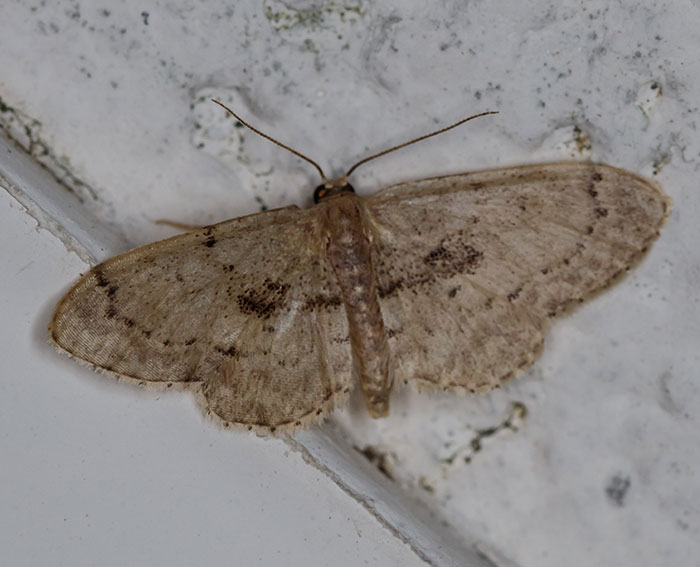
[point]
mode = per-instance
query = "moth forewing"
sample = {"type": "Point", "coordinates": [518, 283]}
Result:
{"type": "Point", "coordinates": [467, 281]}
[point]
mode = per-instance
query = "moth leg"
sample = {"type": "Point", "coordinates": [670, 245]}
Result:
{"type": "Point", "coordinates": [179, 225]}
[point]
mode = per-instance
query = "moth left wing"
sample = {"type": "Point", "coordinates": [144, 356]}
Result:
{"type": "Point", "coordinates": [469, 267]}
{"type": "Point", "coordinates": [247, 310]}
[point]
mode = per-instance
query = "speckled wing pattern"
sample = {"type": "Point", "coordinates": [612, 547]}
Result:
{"type": "Point", "coordinates": [247, 311]}
{"type": "Point", "coordinates": [469, 267]}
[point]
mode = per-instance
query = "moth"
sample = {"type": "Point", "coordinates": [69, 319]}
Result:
{"type": "Point", "coordinates": [444, 283]}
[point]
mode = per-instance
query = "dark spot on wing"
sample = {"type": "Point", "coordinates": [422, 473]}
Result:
{"type": "Point", "coordinates": [112, 313]}
{"type": "Point", "coordinates": [600, 212]}
{"type": "Point", "coordinates": [595, 178]}
{"type": "Point", "coordinates": [263, 301]}
{"type": "Point", "coordinates": [390, 288]}
{"type": "Point", "coordinates": [231, 351]}
{"type": "Point", "coordinates": [513, 295]}
{"type": "Point", "coordinates": [210, 242]}
{"type": "Point", "coordinates": [102, 280]}
{"type": "Point", "coordinates": [191, 341]}
{"type": "Point", "coordinates": [321, 300]}
{"type": "Point", "coordinates": [453, 255]}
{"type": "Point", "coordinates": [458, 258]}
{"type": "Point", "coordinates": [436, 255]}
{"type": "Point", "coordinates": [274, 286]}
{"type": "Point", "coordinates": [111, 290]}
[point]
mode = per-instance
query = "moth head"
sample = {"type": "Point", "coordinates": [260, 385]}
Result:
{"type": "Point", "coordinates": [331, 188]}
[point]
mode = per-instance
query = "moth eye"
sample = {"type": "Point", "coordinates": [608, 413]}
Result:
{"type": "Point", "coordinates": [319, 193]}
{"type": "Point", "coordinates": [322, 191]}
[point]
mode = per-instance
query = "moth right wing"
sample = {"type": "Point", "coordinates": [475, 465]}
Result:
{"type": "Point", "coordinates": [469, 267]}
{"type": "Point", "coordinates": [247, 309]}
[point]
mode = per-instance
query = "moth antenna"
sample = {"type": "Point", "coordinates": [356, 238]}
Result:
{"type": "Point", "coordinates": [280, 144]}
{"type": "Point", "coordinates": [420, 138]}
